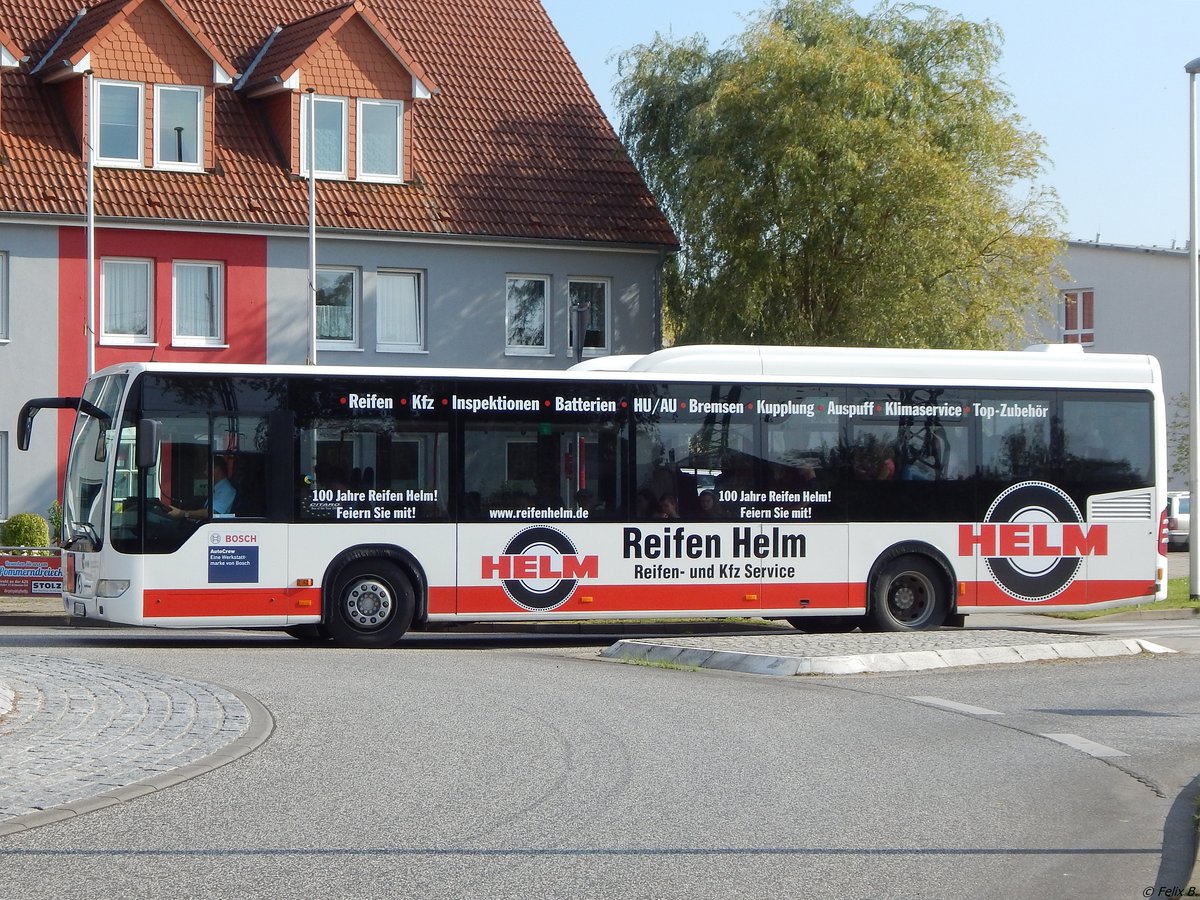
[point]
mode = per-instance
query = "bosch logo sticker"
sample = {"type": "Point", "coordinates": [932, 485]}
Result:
{"type": "Point", "coordinates": [1033, 541]}
{"type": "Point", "coordinates": [540, 568]}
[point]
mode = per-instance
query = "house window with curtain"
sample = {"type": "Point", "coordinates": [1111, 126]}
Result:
{"type": "Point", "coordinates": [380, 140]}
{"type": "Point", "coordinates": [127, 304]}
{"type": "Point", "coordinates": [1079, 317]}
{"type": "Point", "coordinates": [329, 137]}
{"type": "Point", "coordinates": [527, 315]}
{"type": "Point", "coordinates": [199, 301]}
{"type": "Point", "coordinates": [400, 303]}
{"type": "Point", "coordinates": [119, 123]}
{"type": "Point", "coordinates": [178, 127]}
{"type": "Point", "coordinates": [337, 308]}
{"type": "Point", "coordinates": [592, 293]}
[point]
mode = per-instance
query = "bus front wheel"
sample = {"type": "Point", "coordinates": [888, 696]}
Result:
{"type": "Point", "coordinates": [373, 605]}
{"type": "Point", "coordinates": [909, 594]}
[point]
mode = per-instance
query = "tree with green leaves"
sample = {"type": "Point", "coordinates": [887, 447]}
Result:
{"type": "Point", "coordinates": [843, 179]}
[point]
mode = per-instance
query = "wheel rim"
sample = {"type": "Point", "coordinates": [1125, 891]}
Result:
{"type": "Point", "coordinates": [910, 598]}
{"type": "Point", "coordinates": [368, 604]}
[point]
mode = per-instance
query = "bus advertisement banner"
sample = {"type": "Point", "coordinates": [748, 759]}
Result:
{"type": "Point", "coordinates": [29, 576]}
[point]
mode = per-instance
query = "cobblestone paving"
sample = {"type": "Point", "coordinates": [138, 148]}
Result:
{"type": "Point", "coordinates": [71, 729]}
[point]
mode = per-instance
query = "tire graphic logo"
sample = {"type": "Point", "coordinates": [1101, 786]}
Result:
{"type": "Point", "coordinates": [540, 568]}
{"type": "Point", "coordinates": [1044, 571]}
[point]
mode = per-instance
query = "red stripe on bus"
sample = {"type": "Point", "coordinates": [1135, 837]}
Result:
{"type": "Point", "coordinates": [1078, 593]}
{"type": "Point", "coordinates": [634, 598]}
{"type": "Point", "coordinates": [234, 603]}
{"type": "Point", "coordinates": [231, 602]}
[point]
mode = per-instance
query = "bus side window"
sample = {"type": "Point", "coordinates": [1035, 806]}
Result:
{"type": "Point", "coordinates": [1016, 440]}
{"type": "Point", "coordinates": [1104, 440]}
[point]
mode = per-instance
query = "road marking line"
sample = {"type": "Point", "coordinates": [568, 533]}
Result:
{"type": "Point", "coordinates": [1091, 748]}
{"type": "Point", "coordinates": [957, 707]}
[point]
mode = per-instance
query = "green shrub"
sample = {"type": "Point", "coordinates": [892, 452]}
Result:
{"type": "Point", "coordinates": [54, 516]}
{"type": "Point", "coordinates": [25, 530]}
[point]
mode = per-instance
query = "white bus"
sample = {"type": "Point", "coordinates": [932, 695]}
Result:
{"type": "Point", "coordinates": [834, 488]}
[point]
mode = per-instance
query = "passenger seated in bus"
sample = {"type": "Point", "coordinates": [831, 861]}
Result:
{"type": "Point", "coordinates": [668, 507]}
{"type": "Point", "coordinates": [647, 504]}
{"type": "Point", "coordinates": [586, 500]}
{"type": "Point", "coordinates": [221, 499]}
{"type": "Point", "coordinates": [708, 505]}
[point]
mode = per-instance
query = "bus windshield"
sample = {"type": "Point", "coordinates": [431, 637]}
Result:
{"type": "Point", "coordinates": [88, 462]}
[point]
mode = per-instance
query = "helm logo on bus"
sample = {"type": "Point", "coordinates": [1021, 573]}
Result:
{"type": "Point", "coordinates": [1033, 541]}
{"type": "Point", "coordinates": [540, 568]}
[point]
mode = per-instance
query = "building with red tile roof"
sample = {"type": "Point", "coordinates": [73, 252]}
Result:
{"type": "Point", "coordinates": [468, 189]}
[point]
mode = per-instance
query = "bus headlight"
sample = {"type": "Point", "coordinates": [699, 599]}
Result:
{"type": "Point", "coordinates": [111, 587]}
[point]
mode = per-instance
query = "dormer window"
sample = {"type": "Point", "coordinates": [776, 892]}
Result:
{"type": "Point", "coordinates": [329, 136]}
{"type": "Point", "coordinates": [368, 83]}
{"type": "Point", "coordinates": [380, 139]}
{"type": "Point", "coordinates": [178, 127]}
{"type": "Point", "coordinates": [149, 75]}
{"type": "Point", "coordinates": [118, 110]}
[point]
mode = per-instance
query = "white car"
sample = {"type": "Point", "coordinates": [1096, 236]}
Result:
{"type": "Point", "coordinates": [1179, 519]}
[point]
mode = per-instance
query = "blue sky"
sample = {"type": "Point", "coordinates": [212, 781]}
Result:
{"type": "Point", "coordinates": [1102, 82]}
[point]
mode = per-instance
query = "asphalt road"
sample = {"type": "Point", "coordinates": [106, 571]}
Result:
{"type": "Point", "coordinates": [455, 767]}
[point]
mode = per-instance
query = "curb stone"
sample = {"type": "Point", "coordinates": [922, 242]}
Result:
{"type": "Point", "coordinates": [810, 655]}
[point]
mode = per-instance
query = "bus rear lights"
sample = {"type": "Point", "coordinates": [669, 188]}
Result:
{"type": "Point", "coordinates": [109, 588]}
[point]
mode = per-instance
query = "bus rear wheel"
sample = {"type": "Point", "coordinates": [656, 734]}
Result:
{"type": "Point", "coordinates": [909, 595]}
{"type": "Point", "coordinates": [373, 603]}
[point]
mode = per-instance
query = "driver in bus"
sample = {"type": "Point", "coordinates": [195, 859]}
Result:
{"type": "Point", "coordinates": [221, 499]}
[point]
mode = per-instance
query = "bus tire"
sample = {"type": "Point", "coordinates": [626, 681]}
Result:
{"type": "Point", "coordinates": [909, 594]}
{"type": "Point", "coordinates": [373, 603]}
{"type": "Point", "coordinates": [824, 624]}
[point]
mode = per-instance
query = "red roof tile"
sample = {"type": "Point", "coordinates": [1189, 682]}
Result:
{"type": "Point", "coordinates": [513, 144]}
{"type": "Point", "coordinates": [289, 46]}
{"type": "Point", "coordinates": [91, 25]}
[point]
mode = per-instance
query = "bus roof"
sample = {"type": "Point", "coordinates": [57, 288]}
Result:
{"type": "Point", "coordinates": [1043, 365]}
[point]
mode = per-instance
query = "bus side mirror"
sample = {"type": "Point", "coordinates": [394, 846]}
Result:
{"type": "Point", "coordinates": [25, 425]}
{"type": "Point", "coordinates": [147, 443]}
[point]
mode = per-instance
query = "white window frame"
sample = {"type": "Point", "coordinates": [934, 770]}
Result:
{"type": "Point", "coordinates": [542, 349]}
{"type": "Point", "coordinates": [3, 297]}
{"type": "Point", "coordinates": [108, 337]}
{"type": "Point", "coordinates": [162, 154]}
{"type": "Point", "coordinates": [140, 125]}
{"type": "Point", "coordinates": [363, 174]}
{"type": "Point", "coordinates": [603, 349]}
{"type": "Point", "coordinates": [385, 346]}
{"type": "Point", "coordinates": [351, 343]}
{"type": "Point", "coordinates": [305, 105]}
{"type": "Point", "coordinates": [1082, 334]}
{"type": "Point", "coordinates": [178, 338]}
